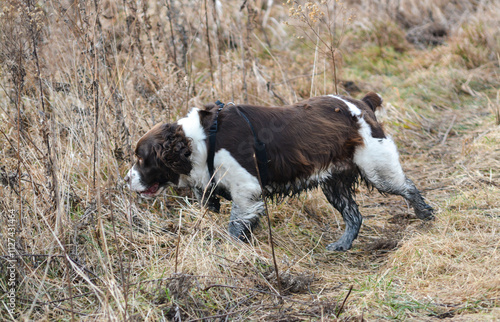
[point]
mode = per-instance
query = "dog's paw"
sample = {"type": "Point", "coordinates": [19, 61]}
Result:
{"type": "Point", "coordinates": [339, 246]}
{"type": "Point", "coordinates": [240, 231]}
{"type": "Point", "coordinates": [425, 213]}
{"type": "Point", "coordinates": [214, 206]}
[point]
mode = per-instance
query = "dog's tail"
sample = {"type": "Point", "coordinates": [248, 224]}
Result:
{"type": "Point", "coordinates": [373, 100]}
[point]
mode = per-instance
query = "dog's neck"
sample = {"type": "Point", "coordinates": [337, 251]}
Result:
{"type": "Point", "coordinates": [191, 124]}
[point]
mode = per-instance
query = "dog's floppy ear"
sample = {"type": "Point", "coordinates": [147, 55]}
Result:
{"type": "Point", "coordinates": [175, 149]}
{"type": "Point", "coordinates": [373, 100]}
{"type": "Point", "coordinates": [205, 116]}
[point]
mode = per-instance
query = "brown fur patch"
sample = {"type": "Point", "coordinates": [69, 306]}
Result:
{"type": "Point", "coordinates": [299, 140]}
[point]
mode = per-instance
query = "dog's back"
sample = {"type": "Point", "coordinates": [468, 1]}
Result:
{"type": "Point", "coordinates": [301, 139]}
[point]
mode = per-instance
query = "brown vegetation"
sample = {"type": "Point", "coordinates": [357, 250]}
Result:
{"type": "Point", "coordinates": [81, 81]}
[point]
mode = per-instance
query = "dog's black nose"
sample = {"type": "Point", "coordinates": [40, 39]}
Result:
{"type": "Point", "coordinates": [127, 179]}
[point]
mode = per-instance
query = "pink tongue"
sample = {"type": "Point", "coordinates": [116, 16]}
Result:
{"type": "Point", "coordinates": [152, 189]}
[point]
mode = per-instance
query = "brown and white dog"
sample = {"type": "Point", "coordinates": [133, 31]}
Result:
{"type": "Point", "coordinates": [327, 141]}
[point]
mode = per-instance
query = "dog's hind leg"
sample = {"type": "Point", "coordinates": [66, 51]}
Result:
{"type": "Point", "coordinates": [339, 189]}
{"type": "Point", "coordinates": [378, 162]}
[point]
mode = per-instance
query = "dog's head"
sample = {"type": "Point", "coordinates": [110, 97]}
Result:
{"type": "Point", "coordinates": [162, 155]}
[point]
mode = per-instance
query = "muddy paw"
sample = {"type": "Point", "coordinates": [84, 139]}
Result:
{"type": "Point", "coordinates": [240, 230]}
{"type": "Point", "coordinates": [426, 213]}
{"type": "Point", "coordinates": [339, 246]}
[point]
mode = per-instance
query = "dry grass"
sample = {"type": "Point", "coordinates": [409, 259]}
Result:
{"type": "Point", "coordinates": [105, 72]}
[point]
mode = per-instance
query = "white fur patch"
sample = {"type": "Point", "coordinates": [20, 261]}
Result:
{"type": "Point", "coordinates": [134, 182]}
{"type": "Point", "coordinates": [355, 111]}
{"type": "Point", "coordinates": [317, 177]}
{"type": "Point", "coordinates": [378, 158]}
{"type": "Point", "coordinates": [243, 186]}
{"type": "Point", "coordinates": [198, 177]}
{"type": "Point", "coordinates": [228, 172]}
{"type": "Point", "coordinates": [320, 176]}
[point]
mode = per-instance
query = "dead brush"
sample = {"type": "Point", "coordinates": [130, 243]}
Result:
{"type": "Point", "coordinates": [112, 255]}
{"type": "Point", "coordinates": [323, 25]}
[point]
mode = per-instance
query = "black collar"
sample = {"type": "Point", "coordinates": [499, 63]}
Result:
{"type": "Point", "coordinates": [211, 140]}
{"type": "Point", "coordinates": [210, 198]}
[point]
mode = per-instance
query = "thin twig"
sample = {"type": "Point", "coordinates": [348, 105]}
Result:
{"type": "Point", "coordinates": [244, 72]}
{"type": "Point", "coordinates": [18, 104]}
{"type": "Point", "coordinates": [266, 210]}
{"type": "Point", "coordinates": [178, 242]}
{"type": "Point", "coordinates": [172, 36]}
{"type": "Point", "coordinates": [343, 303]}
{"type": "Point", "coordinates": [120, 261]}
{"type": "Point", "coordinates": [209, 49]}
{"type": "Point", "coordinates": [448, 130]}
{"type": "Point", "coordinates": [243, 5]}
{"type": "Point", "coordinates": [219, 47]}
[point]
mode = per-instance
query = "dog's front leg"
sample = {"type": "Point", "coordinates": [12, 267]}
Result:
{"type": "Point", "coordinates": [198, 193]}
{"type": "Point", "coordinates": [244, 218]}
{"type": "Point", "coordinates": [207, 199]}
